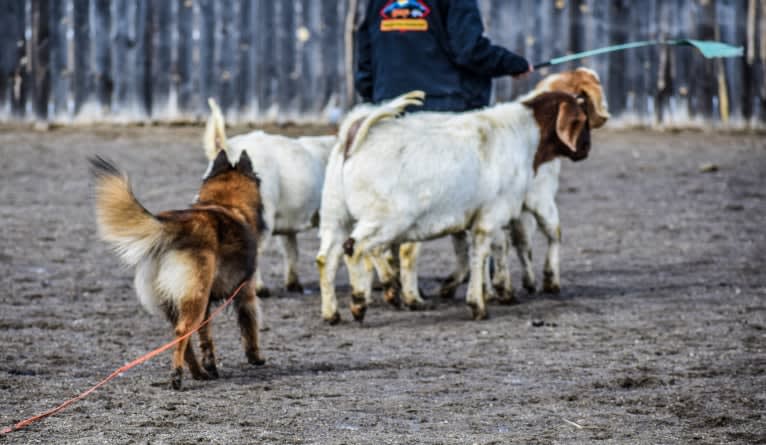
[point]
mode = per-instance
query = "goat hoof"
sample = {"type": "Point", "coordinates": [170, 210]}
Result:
{"type": "Point", "coordinates": [478, 313]}
{"type": "Point", "coordinates": [506, 297]}
{"type": "Point", "coordinates": [263, 292]}
{"type": "Point", "coordinates": [530, 287]}
{"type": "Point", "coordinates": [255, 358]}
{"type": "Point", "coordinates": [358, 311]}
{"type": "Point", "coordinates": [333, 319]}
{"type": "Point", "coordinates": [391, 296]}
{"type": "Point", "coordinates": [348, 246]}
{"type": "Point", "coordinates": [551, 287]}
{"type": "Point", "coordinates": [507, 300]}
{"type": "Point", "coordinates": [295, 286]}
{"type": "Point", "coordinates": [176, 377]}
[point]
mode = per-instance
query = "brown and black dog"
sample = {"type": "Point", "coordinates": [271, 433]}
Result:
{"type": "Point", "coordinates": [187, 259]}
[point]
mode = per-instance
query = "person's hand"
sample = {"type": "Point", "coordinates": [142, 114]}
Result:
{"type": "Point", "coordinates": [525, 73]}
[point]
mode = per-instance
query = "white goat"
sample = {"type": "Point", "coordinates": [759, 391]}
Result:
{"type": "Point", "coordinates": [427, 175]}
{"type": "Point", "coordinates": [539, 207]}
{"type": "Point", "coordinates": [292, 173]}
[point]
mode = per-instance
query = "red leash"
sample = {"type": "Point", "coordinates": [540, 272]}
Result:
{"type": "Point", "coordinates": [122, 369]}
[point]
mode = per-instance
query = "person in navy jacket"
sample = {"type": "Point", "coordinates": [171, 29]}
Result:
{"type": "Point", "coordinates": [437, 46]}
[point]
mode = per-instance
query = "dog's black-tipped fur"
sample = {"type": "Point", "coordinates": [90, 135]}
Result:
{"type": "Point", "coordinates": [100, 167]}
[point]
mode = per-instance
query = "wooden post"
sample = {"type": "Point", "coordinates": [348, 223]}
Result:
{"type": "Point", "coordinates": [13, 70]}
{"type": "Point", "coordinates": [227, 40]}
{"type": "Point", "coordinates": [702, 80]}
{"type": "Point", "coordinates": [184, 62]}
{"type": "Point", "coordinates": [244, 84]}
{"type": "Point", "coordinates": [617, 87]}
{"type": "Point", "coordinates": [82, 82]}
{"type": "Point", "coordinates": [265, 56]}
{"type": "Point", "coordinates": [39, 57]}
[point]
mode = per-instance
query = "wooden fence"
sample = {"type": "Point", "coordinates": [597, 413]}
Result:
{"type": "Point", "coordinates": [278, 60]}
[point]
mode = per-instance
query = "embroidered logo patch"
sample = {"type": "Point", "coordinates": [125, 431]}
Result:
{"type": "Point", "coordinates": [404, 15]}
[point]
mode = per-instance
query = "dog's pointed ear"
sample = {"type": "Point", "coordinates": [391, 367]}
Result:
{"type": "Point", "coordinates": [570, 122]}
{"type": "Point", "coordinates": [220, 165]}
{"type": "Point", "coordinates": [244, 165]}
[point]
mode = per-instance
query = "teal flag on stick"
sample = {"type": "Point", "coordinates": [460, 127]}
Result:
{"type": "Point", "coordinates": [709, 48]}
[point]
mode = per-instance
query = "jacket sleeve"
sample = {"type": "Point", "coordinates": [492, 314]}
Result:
{"type": "Point", "coordinates": [474, 52]}
{"type": "Point", "coordinates": [363, 77]}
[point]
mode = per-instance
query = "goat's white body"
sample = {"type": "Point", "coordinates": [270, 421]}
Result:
{"type": "Point", "coordinates": [539, 209]}
{"type": "Point", "coordinates": [424, 176]}
{"type": "Point", "coordinates": [292, 174]}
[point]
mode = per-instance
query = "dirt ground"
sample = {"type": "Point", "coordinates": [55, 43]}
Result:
{"type": "Point", "coordinates": [658, 335]}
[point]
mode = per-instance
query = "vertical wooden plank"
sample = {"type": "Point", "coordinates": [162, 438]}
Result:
{"type": "Point", "coordinates": [120, 68]}
{"type": "Point", "coordinates": [81, 81]}
{"type": "Point", "coordinates": [265, 57]}
{"type": "Point", "coordinates": [664, 85]}
{"type": "Point", "coordinates": [227, 39]}
{"type": "Point", "coordinates": [182, 67]}
{"type": "Point", "coordinates": [59, 77]}
{"type": "Point", "coordinates": [747, 74]}
{"type": "Point", "coordinates": [208, 85]}
{"type": "Point", "coordinates": [305, 47]}
{"type": "Point", "coordinates": [732, 19]}
{"type": "Point", "coordinates": [576, 29]}
{"type": "Point", "coordinates": [597, 35]}
{"type": "Point", "coordinates": [530, 47]}
{"type": "Point", "coordinates": [160, 54]}
{"type": "Point", "coordinates": [101, 39]}
{"type": "Point", "coordinates": [331, 50]}
{"type": "Point", "coordinates": [13, 70]}
{"type": "Point", "coordinates": [702, 82]}
{"type": "Point", "coordinates": [648, 69]}
{"type": "Point", "coordinates": [508, 28]}
{"type": "Point", "coordinates": [143, 57]}
{"type": "Point", "coordinates": [245, 65]}
{"type": "Point", "coordinates": [285, 31]}
{"type": "Point", "coordinates": [762, 46]}
{"type": "Point", "coordinates": [617, 88]}
{"type": "Point", "coordinates": [39, 56]}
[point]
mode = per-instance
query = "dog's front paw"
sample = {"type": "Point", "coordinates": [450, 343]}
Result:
{"type": "Point", "coordinates": [212, 370]}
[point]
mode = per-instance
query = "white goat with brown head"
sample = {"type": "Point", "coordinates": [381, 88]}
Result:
{"type": "Point", "coordinates": [427, 175]}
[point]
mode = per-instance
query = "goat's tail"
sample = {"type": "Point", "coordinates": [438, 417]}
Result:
{"type": "Point", "coordinates": [122, 221]}
{"type": "Point", "coordinates": [354, 129]}
{"type": "Point", "coordinates": [215, 131]}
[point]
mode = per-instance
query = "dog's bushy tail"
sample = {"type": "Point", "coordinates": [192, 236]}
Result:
{"type": "Point", "coordinates": [122, 221]}
{"type": "Point", "coordinates": [215, 131]}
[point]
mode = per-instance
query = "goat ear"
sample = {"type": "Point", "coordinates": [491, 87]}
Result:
{"type": "Point", "coordinates": [220, 165]}
{"type": "Point", "coordinates": [244, 165]}
{"type": "Point", "coordinates": [597, 112]}
{"type": "Point", "coordinates": [569, 123]}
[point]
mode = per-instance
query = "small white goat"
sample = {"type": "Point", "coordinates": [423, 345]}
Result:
{"type": "Point", "coordinates": [292, 173]}
{"type": "Point", "coordinates": [427, 175]}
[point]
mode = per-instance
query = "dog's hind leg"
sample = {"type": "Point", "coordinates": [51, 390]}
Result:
{"type": "Point", "coordinates": [207, 348]}
{"type": "Point", "coordinates": [247, 310]}
{"type": "Point", "coordinates": [197, 372]}
{"type": "Point", "coordinates": [191, 313]}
